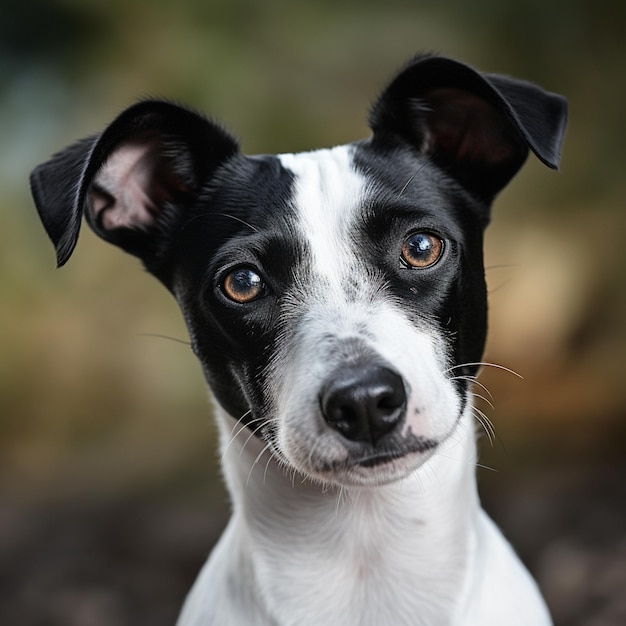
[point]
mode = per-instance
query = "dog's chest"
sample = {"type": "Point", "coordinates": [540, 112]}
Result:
{"type": "Point", "coordinates": [361, 562]}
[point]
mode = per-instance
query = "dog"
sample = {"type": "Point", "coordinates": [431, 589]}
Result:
{"type": "Point", "coordinates": [336, 301]}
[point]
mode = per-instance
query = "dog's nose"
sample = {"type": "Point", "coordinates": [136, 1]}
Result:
{"type": "Point", "coordinates": [364, 403]}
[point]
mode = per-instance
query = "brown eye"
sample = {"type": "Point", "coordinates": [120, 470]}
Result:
{"type": "Point", "coordinates": [243, 285]}
{"type": "Point", "coordinates": [421, 250]}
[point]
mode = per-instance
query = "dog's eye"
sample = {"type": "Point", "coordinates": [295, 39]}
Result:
{"type": "Point", "coordinates": [421, 250]}
{"type": "Point", "coordinates": [243, 285]}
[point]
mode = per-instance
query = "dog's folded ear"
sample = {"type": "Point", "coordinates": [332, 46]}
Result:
{"type": "Point", "coordinates": [132, 181]}
{"type": "Point", "coordinates": [478, 127]}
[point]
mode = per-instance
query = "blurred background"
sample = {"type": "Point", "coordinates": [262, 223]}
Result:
{"type": "Point", "coordinates": [110, 496]}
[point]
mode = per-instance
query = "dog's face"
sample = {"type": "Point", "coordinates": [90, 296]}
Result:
{"type": "Point", "coordinates": [335, 299]}
{"type": "Point", "coordinates": [337, 321]}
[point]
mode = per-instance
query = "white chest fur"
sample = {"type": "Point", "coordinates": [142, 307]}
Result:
{"type": "Point", "coordinates": [416, 552]}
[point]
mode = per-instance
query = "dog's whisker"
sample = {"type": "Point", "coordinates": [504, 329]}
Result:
{"type": "Point", "coordinates": [417, 476]}
{"type": "Point", "coordinates": [270, 456]}
{"type": "Point", "coordinates": [483, 429]}
{"type": "Point", "coordinates": [238, 219]}
{"type": "Point", "coordinates": [160, 336]}
{"type": "Point", "coordinates": [485, 419]}
{"type": "Point", "coordinates": [484, 399]}
{"type": "Point", "coordinates": [483, 364]}
{"type": "Point", "coordinates": [501, 266]}
{"type": "Point", "coordinates": [486, 467]}
{"type": "Point", "coordinates": [499, 287]}
{"type": "Point", "coordinates": [338, 500]}
{"type": "Point", "coordinates": [252, 434]}
{"type": "Point", "coordinates": [240, 420]}
{"type": "Point", "coordinates": [486, 423]}
{"type": "Point", "coordinates": [255, 462]}
{"type": "Point", "coordinates": [408, 182]}
{"type": "Point", "coordinates": [474, 381]}
{"type": "Point", "coordinates": [412, 177]}
{"type": "Point", "coordinates": [344, 498]}
{"type": "Point", "coordinates": [242, 426]}
{"type": "Point", "coordinates": [483, 387]}
{"type": "Point", "coordinates": [214, 215]}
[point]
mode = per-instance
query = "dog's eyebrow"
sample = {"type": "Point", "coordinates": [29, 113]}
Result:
{"type": "Point", "coordinates": [387, 210]}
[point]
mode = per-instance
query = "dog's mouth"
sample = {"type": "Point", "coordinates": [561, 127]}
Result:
{"type": "Point", "coordinates": [360, 464]}
{"type": "Point", "coordinates": [368, 466]}
{"type": "Point", "coordinates": [384, 457]}
{"type": "Point", "coordinates": [379, 459]}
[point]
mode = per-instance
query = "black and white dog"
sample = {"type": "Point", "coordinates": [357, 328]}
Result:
{"type": "Point", "coordinates": [336, 300]}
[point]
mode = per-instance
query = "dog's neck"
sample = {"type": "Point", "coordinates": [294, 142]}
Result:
{"type": "Point", "coordinates": [307, 541]}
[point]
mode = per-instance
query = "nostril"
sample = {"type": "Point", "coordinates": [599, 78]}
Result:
{"type": "Point", "coordinates": [364, 403]}
{"type": "Point", "coordinates": [391, 400]}
{"type": "Point", "coordinates": [341, 416]}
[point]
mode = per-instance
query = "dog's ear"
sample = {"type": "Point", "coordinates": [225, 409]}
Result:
{"type": "Point", "coordinates": [132, 181]}
{"type": "Point", "coordinates": [478, 127]}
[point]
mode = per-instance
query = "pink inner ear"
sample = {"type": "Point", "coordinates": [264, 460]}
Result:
{"type": "Point", "coordinates": [465, 128]}
{"type": "Point", "coordinates": [127, 192]}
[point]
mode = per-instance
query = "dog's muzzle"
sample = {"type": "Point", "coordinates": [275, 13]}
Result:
{"type": "Point", "coordinates": [364, 402]}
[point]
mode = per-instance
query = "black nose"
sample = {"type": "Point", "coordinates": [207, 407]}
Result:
{"type": "Point", "coordinates": [364, 403]}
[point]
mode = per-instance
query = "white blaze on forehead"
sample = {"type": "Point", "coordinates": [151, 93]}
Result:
{"type": "Point", "coordinates": [341, 299]}
{"type": "Point", "coordinates": [328, 194]}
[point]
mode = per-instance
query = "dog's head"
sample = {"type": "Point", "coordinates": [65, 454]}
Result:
{"type": "Point", "coordinates": [336, 298]}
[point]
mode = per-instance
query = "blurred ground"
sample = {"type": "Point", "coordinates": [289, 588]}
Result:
{"type": "Point", "coordinates": [109, 491]}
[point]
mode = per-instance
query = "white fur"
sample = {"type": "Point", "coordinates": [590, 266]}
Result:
{"type": "Point", "coordinates": [418, 551]}
{"type": "Point", "coordinates": [402, 543]}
